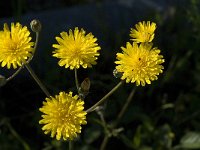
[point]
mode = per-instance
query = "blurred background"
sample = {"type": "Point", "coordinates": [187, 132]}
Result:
{"type": "Point", "coordinates": [162, 116]}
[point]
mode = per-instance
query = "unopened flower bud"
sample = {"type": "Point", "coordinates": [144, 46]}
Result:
{"type": "Point", "coordinates": [84, 88]}
{"type": "Point", "coordinates": [35, 25]}
{"type": "Point", "coordinates": [2, 80]}
{"type": "Point", "coordinates": [117, 74]}
{"type": "Point", "coordinates": [85, 85]}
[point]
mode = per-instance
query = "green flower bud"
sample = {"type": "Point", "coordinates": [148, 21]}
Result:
{"type": "Point", "coordinates": [35, 25]}
{"type": "Point", "coordinates": [84, 88]}
{"type": "Point", "coordinates": [117, 74]}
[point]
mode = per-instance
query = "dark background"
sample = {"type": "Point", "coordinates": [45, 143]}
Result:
{"type": "Point", "coordinates": [163, 115]}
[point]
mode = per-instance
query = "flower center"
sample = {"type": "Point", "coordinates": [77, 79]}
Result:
{"type": "Point", "coordinates": [13, 46]}
{"type": "Point", "coordinates": [139, 63]}
{"type": "Point", "coordinates": [146, 35]}
{"type": "Point", "coordinates": [62, 115]}
{"type": "Point", "coordinates": [76, 52]}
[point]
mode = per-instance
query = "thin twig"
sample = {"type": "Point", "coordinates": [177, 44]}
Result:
{"type": "Point", "coordinates": [14, 74]}
{"type": "Point", "coordinates": [41, 85]}
{"type": "Point", "coordinates": [119, 117]}
{"type": "Point", "coordinates": [104, 143]}
{"type": "Point", "coordinates": [124, 108]}
{"type": "Point", "coordinates": [76, 79]}
{"type": "Point", "coordinates": [70, 145]}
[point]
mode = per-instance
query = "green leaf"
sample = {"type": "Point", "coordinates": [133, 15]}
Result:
{"type": "Point", "coordinates": [191, 140]}
{"type": "Point", "coordinates": [137, 138]}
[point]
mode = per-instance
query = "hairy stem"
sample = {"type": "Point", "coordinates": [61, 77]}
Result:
{"type": "Point", "coordinates": [70, 145]}
{"type": "Point", "coordinates": [104, 143]}
{"type": "Point", "coordinates": [41, 85]}
{"type": "Point", "coordinates": [119, 117]}
{"type": "Point", "coordinates": [124, 108]}
{"type": "Point", "coordinates": [14, 74]}
{"type": "Point", "coordinates": [76, 79]}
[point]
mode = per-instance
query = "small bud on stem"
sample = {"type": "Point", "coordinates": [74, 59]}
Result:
{"type": "Point", "coordinates": [35, 25]}
{"type": "Point", "coordinates": [117, 74]}
{"type": "Point", "coordinates": [84, 88]}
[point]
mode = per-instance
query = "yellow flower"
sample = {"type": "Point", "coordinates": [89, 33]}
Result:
{"type": "Point", "coordinates": [76, 49]}
{"type": "Point", "coordinates": [15, 45]}
{"type": "Point", "coordinates": [144, 32]}
{"type": "Point", "coordinates": [63, 116]}
{"type": "Point", "coordinates": [139, 63]}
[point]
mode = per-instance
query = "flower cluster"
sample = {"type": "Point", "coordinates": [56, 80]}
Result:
{"type": "Point", "coordinates": [139, 61]}
{"type": "Point", "coordinates": [64, 114]}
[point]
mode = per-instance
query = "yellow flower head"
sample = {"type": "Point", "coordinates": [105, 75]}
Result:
{"type": "Point", "coordinates": [15, 45]}
{"type": "Point", "coordinates": [139, 63]}
{"type": "Point", "coordinates": [63, 116]}
{"type": "Point", "coordinates": [76, 49]}
{"type": "Point", "coordinates": [144, 32]}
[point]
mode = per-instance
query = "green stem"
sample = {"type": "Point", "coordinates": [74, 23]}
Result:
{"type": "Point", "coordinates": [36, 41]}
{"type": "Point", "coordinates": [35, 47]}
{"type": "Point", "coordinates": [14, 74]}
{"type": "Point", "coordinates": [70, 145]}
{"type": "Point", "coordinates": [120, 115]}
{"type": "Point", "coordinates": [105, 97]}
{"type": "Point", "coordinates": [37, 80]}
{"type": "Point", "coordinates": [104, 143]}
{"type": "Point", "coordinates": [76, 79]}
{"type": "Point", "coordinates": [106, 137]}
{"type": "Point", "coordinates": [124, 108]}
